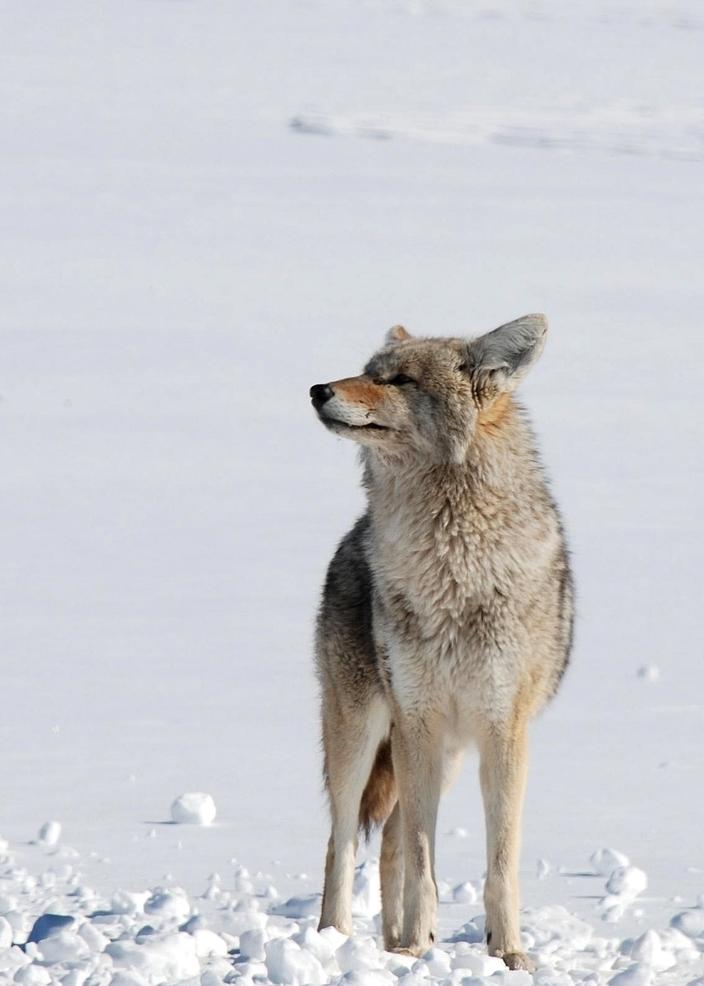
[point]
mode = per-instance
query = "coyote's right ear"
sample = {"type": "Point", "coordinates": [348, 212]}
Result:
{"type": "Point", "coordinates": [500, 359]}
{"type": "Point", "coordinates": [397, 334]}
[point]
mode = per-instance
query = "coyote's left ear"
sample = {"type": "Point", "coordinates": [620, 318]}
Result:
{"type": "Point", "coordinates": [397, 334]}
{"type": "Point", "coordinates": [500, 359]}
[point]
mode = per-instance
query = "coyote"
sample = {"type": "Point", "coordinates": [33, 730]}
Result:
{"type": "Point", "coordinates": [446, 619]}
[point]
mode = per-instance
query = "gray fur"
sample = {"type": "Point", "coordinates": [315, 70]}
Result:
{"type": "Point", "coordinates": [446, 617]}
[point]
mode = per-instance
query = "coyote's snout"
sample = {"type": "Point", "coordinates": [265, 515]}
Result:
{"type": "Point", "coordinates": [446, 618]}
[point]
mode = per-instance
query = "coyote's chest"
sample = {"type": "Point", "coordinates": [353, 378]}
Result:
{"type": "Point", "coordinates": [450, 579]}
{"type": "Point", "coordinates": [443, 574]}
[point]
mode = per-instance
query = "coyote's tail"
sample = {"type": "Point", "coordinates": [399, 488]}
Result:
{"type": "Point", "coordinates": [379, 795]}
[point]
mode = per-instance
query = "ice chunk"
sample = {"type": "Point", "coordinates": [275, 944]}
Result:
{"type": "Point", "coordinates": [208, 944]}
{"type": "Point", "coordinates": [319, 945]}
{"type": "Point", "coordinates": [168, 959]}
{"type": "Point", "coordinates": [168, 905]}
{"type": "Point", "coordinates": [359, 954]}
{"type": "Point", "coordinates": [334, 937]}
{"type": "Point", "coordinates": [464, 893]}
{"type": "Point", "coordinates": [690, 923]}
{"type": "Point", "coordinates": [247, 919]}
{"type": "Point", "coordinates": [368, 977]}
{"type": "Point", "coordinates": [8, 903]}
{"type": "Point", "coordinates": [194, 808]}
{"type": "Point", "coordinates": [65, 946]}
{"type": "Point", "coordinates": [627, 881]}
{"type": "Point", "coordinates": [637, 974]}
{"type": "Point", "coordinates": [94, 938]}
{"type": "Point", "coordinates": [252, 944]}
{"type": "Point", "coordinates": [475, 960]}
{"type": "Point", "coordinates": [124, 902]}
{"type": "Point", "coordinates": [438, 963]}
{"type": "Point", "coordinates": [287, 962]}
{"type": "Point", "coordinates": [605, 861]}
{"type": "Point", "coordinates": [208, 978]}
{"type": "Point", "coordinates": [299, 907]}
{"type": "Point", "coordinates": [648, 949]}
{"type": "Point", "coordinates": [49, 834]}
{"type": "Point", "coordinates": [542, 868]}
{"type": "Point", "coordinates": [32, 975]}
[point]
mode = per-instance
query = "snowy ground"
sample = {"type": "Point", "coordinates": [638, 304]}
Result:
{"type": "Point", "coordinates": [208, 206]}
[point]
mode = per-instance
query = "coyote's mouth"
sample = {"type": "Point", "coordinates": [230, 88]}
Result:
{"type": "Point", "coordinates": [344, 426]}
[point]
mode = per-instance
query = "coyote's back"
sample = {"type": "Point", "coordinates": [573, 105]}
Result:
{"type": "Point", "coordinates": [446, 617]}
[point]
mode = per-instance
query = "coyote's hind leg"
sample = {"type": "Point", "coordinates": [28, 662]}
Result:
{"type": "Point", "coordinates": [391, 872]}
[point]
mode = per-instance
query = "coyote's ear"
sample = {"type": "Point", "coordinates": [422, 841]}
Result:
{"type": "Point", "coordinates": [500, 359]}
{"type": "Point", "coordinates": [397, 334]}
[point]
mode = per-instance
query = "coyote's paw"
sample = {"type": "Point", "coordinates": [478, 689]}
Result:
{"type": "Point", "coordinates": [415, 949]}
{"type": "Point", "coordinates": [517, 960]}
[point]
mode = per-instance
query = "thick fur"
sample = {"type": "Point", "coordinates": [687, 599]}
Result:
{"type": "Point", "coordinates": [446, 618]}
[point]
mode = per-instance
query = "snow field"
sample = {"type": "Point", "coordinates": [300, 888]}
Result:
{"type": "Point", "coordinates": [172, 244]}
{"type": "Point", "coordinates": [54, 929]}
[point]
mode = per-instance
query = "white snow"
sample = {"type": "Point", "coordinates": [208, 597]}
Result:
{"type": "Point", "coordinates": [543, 868]}
{"type": "Point", "coordinates": [207, 207]}
{"type": "Point", "coordinates": [627, 881]}
{"type": "Point", "coordinates": [690, 923]}
{"type": "Point", "coordinates": [163, 935]}
{"type": "Point", "coordinates": [366, 891]}
{"type": "Point", "coordinates": [648, 949]}
{"type": "Point", "coordinates": [605, 861]}
{"type": "Point", "coordinates": [194, 808]}
{"type": "Point", "coordinates": [287, 962]}
{"type": "Point", "coordinates": [464, 893]}
{"type": "Point", "coordinates": [49, 834]}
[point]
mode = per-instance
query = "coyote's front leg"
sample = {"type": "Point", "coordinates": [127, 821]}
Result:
{"type": "Point", "coordinates": [503, 776]}
{"type": "Point", "coordinates": [417, 756]}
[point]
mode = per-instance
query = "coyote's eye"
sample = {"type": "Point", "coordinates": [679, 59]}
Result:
{"type": "Point", "coordinates": [463, 367]}
{"type": "Point", "coordinates": [400, 379]}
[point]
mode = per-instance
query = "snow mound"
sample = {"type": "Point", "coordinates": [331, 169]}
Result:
{"type": "Point", "coordinates": [49, 834]}
{"type": "Point", "coordinates": [605, 861]}
{"type": "Point", "coordinates": [194, 808]}
{"type": "Point", "coordinates": [287, 962]}
{"type": "Point", "coordinates": [690, 923]}
{"type": "Point", "coordinates": [464, 893]}
{"type": "Point", "coordinates": [299, 907]}
{"type": "Point", "coordinates": [627, 881]}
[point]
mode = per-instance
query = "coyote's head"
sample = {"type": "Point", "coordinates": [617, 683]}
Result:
{"type": "Point", "coordinates": [427, 397]}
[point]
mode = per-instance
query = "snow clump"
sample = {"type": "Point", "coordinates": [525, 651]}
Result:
{"type": "Point", "coordinates": [194, 808]}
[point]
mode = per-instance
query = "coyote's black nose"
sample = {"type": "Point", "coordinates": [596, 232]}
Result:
{"type": "Point", "coordinates": [319, 393]}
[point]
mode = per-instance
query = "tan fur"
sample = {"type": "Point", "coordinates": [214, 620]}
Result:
{"type": "Point", "coordinates": [493, 417]}
{"type": "Point", "coordinates": [379, 796]}
{"type": "Point", "coordinates": [446, 619]}
{"type": "Point", "coordinates": [360, 390]}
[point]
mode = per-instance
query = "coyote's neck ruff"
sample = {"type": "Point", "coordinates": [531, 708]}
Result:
{"type": "Point", "coordinates": [447, 539]}
{"type": "Point", "coordinates": [446, 617]}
